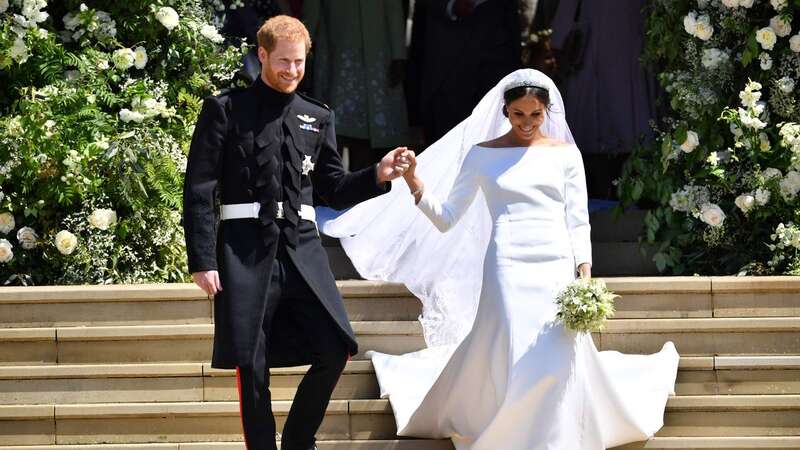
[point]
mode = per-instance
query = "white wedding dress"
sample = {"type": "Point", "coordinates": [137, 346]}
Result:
{"type": "Point", "coordinates": [518, 381]}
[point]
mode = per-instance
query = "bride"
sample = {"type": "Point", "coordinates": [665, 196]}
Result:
{"type": "Point", "coordinates": [499, 372]}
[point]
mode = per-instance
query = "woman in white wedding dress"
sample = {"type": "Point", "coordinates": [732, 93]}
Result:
{"type": "Point", "coordinates": [509, 378]}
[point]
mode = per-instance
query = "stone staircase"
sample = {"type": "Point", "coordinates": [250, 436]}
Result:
{"type": "Point", "coordinates": [125, 367]}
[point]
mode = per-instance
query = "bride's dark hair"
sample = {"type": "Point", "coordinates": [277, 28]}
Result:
{"type": "Point", "coordinates": [523, 91]}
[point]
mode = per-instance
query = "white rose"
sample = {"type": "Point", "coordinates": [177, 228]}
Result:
{"type": "Point", "coordinates": [3, 6]}
{"type": "Point", "coordinates": [790, 185]}
{"type": "Point", "coordinates": [210, 32]}
{"type": "Point", "coordinates": [712, 214]}
{"type": "Point", "coordinates": [745, 202]}
{"type": "Point", "coordinates": [731, 3]}
{"type": "Point", "coordinates": [103, 219]}
{"type": "Point", "coordinates": [794, 43]}
{"type": "Point", "coordinates": [766, 61]}
{"type": "Point", "coordinates": [6, 254]}
{"type": "Point", "coordinates": [746, 3]}
{"type": "Point", "coordinates": [140, 57]}
{"type": "Point", "coordinates": [7, 222]}
{"type": "Point", "coordinates": [762, 196]}
{"type": "Point", "coordinates": [168, 17]}
{"type": "Point", "coordinates": [779, 4]}
{"type": "Point", "coordinates": [703, 29]}
{"type": "Point", "coordinates": [123, 58]}
{"type": "Point", "coordinates": [782, 27]}
{"type": "Point", "coordinates": [691, 142]}
{"type": "Point", "coordinates": [66, 242]}
{"type": "Point", "coordinates": [766, 37]}
{"type": "Point", "coordinates": [27, 238]}
{"type": "Point", "coordinates": [690, 23]}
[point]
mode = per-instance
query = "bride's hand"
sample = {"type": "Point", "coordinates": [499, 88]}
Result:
{"type": "Point", "coordinates": [585, 271]}
{"type": "Point", "coordinates": [409, 159]}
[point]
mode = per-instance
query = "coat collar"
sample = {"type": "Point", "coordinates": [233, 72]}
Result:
{"type": "Point", "coordinates": [268, 96]}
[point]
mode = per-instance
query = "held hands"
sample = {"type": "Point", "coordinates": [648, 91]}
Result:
{"type": "Point", "coordinates": [585, 271]}
{"type": "Point", "coordinates": [208, 281]}
{"type": "Point", "coordinates": [392, 165]}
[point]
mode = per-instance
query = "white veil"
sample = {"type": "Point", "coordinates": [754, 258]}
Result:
{"type": "Point", "coordinates": [389, 239]}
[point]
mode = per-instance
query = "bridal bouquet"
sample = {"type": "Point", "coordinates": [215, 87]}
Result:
{"type": "Point", "coordinates": [585, 305]}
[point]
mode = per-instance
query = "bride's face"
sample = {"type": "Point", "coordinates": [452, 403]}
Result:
{"type": "Point", "coordinates": [526, 115]}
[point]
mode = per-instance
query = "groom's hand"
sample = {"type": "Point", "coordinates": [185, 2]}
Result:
{"type": "Point", "coordinates": [391, 166]}
{"type": "Point", "coordinates": [208, 281]}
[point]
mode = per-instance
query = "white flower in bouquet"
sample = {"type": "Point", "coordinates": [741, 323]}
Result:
{"type": "Point", "coordinates": [751, 119]}
{"type": "Point", "coordinates": [32, 10]}
{"type": "Point", "coordinates": [126, 115]}
{"type": "Point", "coordinates": [66, 242]}
{"type": "Point", "coordinates": [3, 6]}
{"type": "Point", "coordinates": [786, 85]}
{"type": "Point", "coordinates": [6, 254]}
{"type": "Point", "coordinates": [746, 3]}
{"type": "Point", "coordinates": [585, 305]}
{"type": "Point", "coordinates": [766, 37]}
{"type": "Point", "coordinates": [750, 95]}
{"type": "Point", "coordinates": [763, 142]}
{"type": "Point", "coordinates": [794, 43]}
{"type": "Point", "coordinates": [103, 219]}
{"type": "Point", "coordinates": [765, 60]}
{"type": "Point", "coordinates": [779, 4]}
{"type": "Point", "coordinates": [712, 214]}
{"type": "Point", "coordinates": [735, 130]}
{"type": "Point", "coordinates": [771, 173]}
{"type": "Point", "coordinates": [27, 238]}
{"type": "Point", "coordinates": [690, 23]}
{"type": "Point", "coordinates": [790, 185]}
{"type": "Point", "coordinates": [745, 202]}
{"type": "Point", "coordinates": [782, 27]}
{"type": "Point", "coordinates": [210, 32]}
{"type": "Point", "coordinates": [140, 57]}
{"type": "Point", "coordinates": [731, 3]}
{"type": "Point", "coordinates": [703, 29]}
{"type": "Point", "coordinates": [713, 58]}
{"type": "Point", "coordinates": [168, 17]}
{"type": "Point", "coordinates": [713, 159]}
{"type": "Point", "coordinates": [691, 142]}
{"type": "Point", "coordinates": [7, 222]}
{"type": "Point", "coordinates": [762, 196]}
{"type": "Point", "coordinates": [681, 201]}
{"type": "Point", "coordinates": [19, 51]}
{"type": "Point", "coordinates": [123, 58]}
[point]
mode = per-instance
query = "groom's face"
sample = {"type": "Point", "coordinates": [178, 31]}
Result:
{"type": "Point", "coordinates": [283, 67]}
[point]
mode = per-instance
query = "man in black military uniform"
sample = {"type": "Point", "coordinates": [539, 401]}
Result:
{"type": "Point", "coordinates": [261, 151]}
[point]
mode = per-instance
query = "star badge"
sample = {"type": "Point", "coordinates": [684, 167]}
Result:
{"type": "Point", "coordinates": [308, 165]}
{"type": "Point", "coordinates": [306, 118]}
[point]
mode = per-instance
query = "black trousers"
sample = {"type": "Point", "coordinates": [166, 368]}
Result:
{"type": "Point", "coordinates": [329, 354]}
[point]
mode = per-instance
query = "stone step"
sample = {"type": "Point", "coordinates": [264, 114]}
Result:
{"type": "Point", "coordinates": [717, 443]}
{"type": "Point", "coordinates": [657, 297]}
{"type": "Point", "coordinates": [185, 343]}
{"type": "Point", "coordinates": [181, 382]}
{"type": "Point", "coordinates": [121, 423]}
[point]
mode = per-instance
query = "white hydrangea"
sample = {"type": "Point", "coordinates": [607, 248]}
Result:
{"type": "Point", "coordinates": [767, 38]}
{"type": "Point", "coordinates": [745, 202]}
{"type": "Point", "coordinates": [210, 32]}
{"type": "Point", "coordinates": [103, 219]}
{"type": "Point", "coordinates": [140, 57]}
{"type": "Point", "coordinates": [786, 85]}
{"type": "Point", "coordinates": [27, 238]}
{"type": "Point", "coordinates": [771, 173]}
{"type": "Point", "coordinates": [782, 27]}
{"type": "Point", "coordinates": [681, 201]}
{"type": "Point", "coordinates": [790, 185]}
{"type": "Point", "coordinates": [123, 58]}
{"type": "Point", "coordinates": [691, 142]}
{"type": "Point", "coordinates": [762, 196]}
{"type": "Point", "coordinates": [794, 43]}
{"type": "Point", "coordinates": [712, 214]}
{"type": "Point", "coordinates": [779, 4]}
{"type": "Point", "coordinates": [7, 222]}
{"type": "Point", "coordinates": [168, 17]}
{"type": "Point", "coordinates": [785, 236]}
{"type": "Point", "coordinates": [66, 242]}
{"type": "Point", "coordinates": [6, 252]}
{"type": "Point", "coordinates": [713, 58]}
{"type": "Point", "coordinates": [765, 61]}
{"type": "Point", "coordinates": [126, 115]}
{"type": "Point", "coordinates": [19, 51]}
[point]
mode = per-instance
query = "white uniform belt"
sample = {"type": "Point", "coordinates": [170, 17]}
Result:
{"type": "Point", "coordinates": [251, 210]}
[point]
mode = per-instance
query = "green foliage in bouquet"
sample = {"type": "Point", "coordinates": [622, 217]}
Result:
{"type": "Point", "coordinates": [98, 102]}
{"type": "Point", "coordinates": [585, 305]}
{"type": "Point", "coordinates": [722, 181]}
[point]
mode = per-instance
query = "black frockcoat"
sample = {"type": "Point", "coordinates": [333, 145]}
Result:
{"type": "Point", "coordinates": [249, 146]}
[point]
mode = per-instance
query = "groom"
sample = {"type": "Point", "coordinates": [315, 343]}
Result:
{"type": "Point", "coordinates": [261, 152]}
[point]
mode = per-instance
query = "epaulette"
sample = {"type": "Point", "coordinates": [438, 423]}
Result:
{"type": "Point", "coordinates": [314, 101]}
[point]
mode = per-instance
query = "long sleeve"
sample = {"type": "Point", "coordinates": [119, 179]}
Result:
{"type": "Point", "coordinates": [576, 205]}
{"type": "Point", "coordinates": [203, 171]}
{"type": "Point", "coordinates": [445, 215]}
{"type": "Point", "coordinates": [339, 188]}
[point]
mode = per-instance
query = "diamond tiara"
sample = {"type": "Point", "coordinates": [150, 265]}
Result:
{"type": "Point", "coordinates": [523, 83]}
